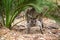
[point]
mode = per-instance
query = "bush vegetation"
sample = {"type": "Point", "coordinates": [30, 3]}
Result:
{"type": "Point", "coordinates": [11, 8]}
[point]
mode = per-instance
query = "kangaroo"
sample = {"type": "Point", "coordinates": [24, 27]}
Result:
{"type": "Point", "coordinates": [31, 17]}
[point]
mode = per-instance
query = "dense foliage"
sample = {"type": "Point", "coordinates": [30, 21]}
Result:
{"type": "Point", "coordinates": [11, 8]}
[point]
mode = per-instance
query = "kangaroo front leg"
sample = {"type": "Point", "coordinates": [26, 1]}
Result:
{"type": "Point", "coordinates": [40, 25]}
{"type": "Point", "coordinates": [28, 28]}
{"type": "Point", "coordinates": [41, 28]}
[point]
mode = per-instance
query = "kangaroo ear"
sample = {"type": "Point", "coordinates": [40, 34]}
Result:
{"type": "Point", "coordinates": [28, 11]}
{"type": "Point", "coordinates": [37, 16]}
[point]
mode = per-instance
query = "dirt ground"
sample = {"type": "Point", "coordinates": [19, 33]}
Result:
{"type": "Point", "coordinates": [51, 31]}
